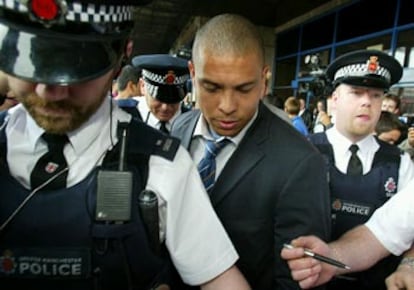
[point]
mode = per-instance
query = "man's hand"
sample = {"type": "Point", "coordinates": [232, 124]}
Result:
{"type": "Point", "coordinates": [410, 136]}
{"type": "Point", "coordinates": [402, 278]}
{"type": "Point", "coordinates": [307, 271]}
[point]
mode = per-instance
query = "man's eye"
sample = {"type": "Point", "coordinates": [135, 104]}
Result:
{"type": "Point", "coordinates": [210, 88]}
{"type": "Point", "coordinates": [245, 90]}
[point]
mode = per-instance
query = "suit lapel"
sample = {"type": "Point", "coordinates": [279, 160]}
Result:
{"type": "Point", "coordinates": [184, 128]}
{"type": "Point", "coordinates": [244, 159]}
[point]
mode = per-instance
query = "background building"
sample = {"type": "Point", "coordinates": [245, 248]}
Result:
{"type": "Point", "coordinates": [301, 36]}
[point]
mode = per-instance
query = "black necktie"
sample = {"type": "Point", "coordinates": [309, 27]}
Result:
{"type": "Point", "coordinates": [207, 165]}
{"type": "Point", "coordinates": [163, 127]}
{"type": "Point", "coordinates": [51, 163]}
{"type": "Point", "coordinates": [354, 165]}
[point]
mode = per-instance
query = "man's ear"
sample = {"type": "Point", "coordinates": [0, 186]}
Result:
{"type": "Point", "coordinates": [191, 68]}
{"type": "Point", "coordinates": [128, 48]}
{"type": "Point", "coordinates": [141, 84]}
{"type": "Point", "coordinates": [124, 60]}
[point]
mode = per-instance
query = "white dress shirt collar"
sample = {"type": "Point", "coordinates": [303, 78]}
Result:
{"type": "Point", "coordinates": [202, 130]}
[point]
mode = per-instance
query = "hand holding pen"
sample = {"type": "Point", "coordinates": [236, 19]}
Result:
{"type": "Point", "coordinates": [321, 258]}
{"type": "Point", "coordinates": [309, 261]}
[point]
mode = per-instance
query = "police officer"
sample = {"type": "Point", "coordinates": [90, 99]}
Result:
{"type": "Point", "coordinates": [73, 165]}
{"type": "Point", "coordinates": [163, 82]}
{"type": "Point", "coordinates": [364, 171]}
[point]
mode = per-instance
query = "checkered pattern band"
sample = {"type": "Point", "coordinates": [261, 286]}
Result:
{"type": "Point", "coordinates": [160, 79]}
{"type": "Point", "coordinates": [81, 12]}
{"type": "Point", "coordinates": [361, 70]}
{"type": "Point", "coordinates": [151, 89]}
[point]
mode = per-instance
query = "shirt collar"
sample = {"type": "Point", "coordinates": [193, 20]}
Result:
{"type": "Point", "coordinates": [202, 130]}
{"type": "Point", "coordinates": [342, 144]}
{"type": "Point", "coordinates": [77, 137]}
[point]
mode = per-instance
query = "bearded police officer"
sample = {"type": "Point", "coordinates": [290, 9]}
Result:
{"type": "Point", "coordinates": [163, 85]}
{"type": "Point", "coordinates": [364, 171]}
{"type": "Point", "coordinates": [73, 166]}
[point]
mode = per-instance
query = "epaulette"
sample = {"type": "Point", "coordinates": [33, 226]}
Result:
{"type": "Point", "coordinates": [147, 140]}
{"type": "Point", "coordinates": [166, 146]}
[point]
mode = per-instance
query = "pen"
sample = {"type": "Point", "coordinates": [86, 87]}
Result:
{"type": "Point", "coordinates": [321, 258]}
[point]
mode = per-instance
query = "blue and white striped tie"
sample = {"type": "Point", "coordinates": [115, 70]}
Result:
{"type": "Point", "coordinates": [207, 165]}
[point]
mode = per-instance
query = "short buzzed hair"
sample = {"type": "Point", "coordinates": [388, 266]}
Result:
{"type": "Point", "coordinates": [229, 33]}
{"type": "Point", "coordinates": [128, 74]}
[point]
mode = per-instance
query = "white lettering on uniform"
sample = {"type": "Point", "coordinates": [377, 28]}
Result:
{"type": "Point", "coordinates": [50, 269]}
{"type": "Point", "coordinates": [355, 209]}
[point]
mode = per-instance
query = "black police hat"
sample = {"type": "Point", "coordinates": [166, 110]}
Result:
{"type": "Point", "coordinates": [63, 41]}
{"type": "Point", "coordinates": [365, 68]}
{"type": "Point", "coordinates": [165, 76]}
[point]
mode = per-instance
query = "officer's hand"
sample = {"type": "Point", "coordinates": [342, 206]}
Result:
{"type": "Point", "coordinates": [324, 118]}
{"type": "Point", "coordinates": [402, 278]}
{"type": "Point", "coordinates": [410, 136]}
{"type": "Point", "coordinates": [307, 271]}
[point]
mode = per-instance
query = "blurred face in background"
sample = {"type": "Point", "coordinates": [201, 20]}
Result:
{"type": "Point", "coordinates": [389, 106]}
{"type": "Point", "coordinates": [162, 111]}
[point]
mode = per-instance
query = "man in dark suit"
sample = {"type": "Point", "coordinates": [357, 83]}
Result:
{"type": "Point", "coordinates": [269, 180]}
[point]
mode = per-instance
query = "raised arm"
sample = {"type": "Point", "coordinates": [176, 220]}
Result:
{"type": "Point", "coordinates": [357, 248]}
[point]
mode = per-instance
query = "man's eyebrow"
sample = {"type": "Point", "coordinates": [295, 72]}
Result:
{"type": "Point", "coordinates": [210, 82]}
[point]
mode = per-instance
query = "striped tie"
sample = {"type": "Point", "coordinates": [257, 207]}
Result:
{"type": "Point", "coordinates": [207, 165]}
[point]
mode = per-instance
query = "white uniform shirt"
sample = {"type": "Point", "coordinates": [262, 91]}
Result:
{"type": "Point", "coordinates": [188, 220]}
{"type": "Point", "coordinates": [367, 149]}
{"type": "Point", "coordinates": [150, 118]}
{"type": "Point", "coordinates": [393, 223]}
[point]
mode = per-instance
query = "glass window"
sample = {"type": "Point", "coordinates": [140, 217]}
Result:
{"type": "Point", "coordinates": [313, 63]}
{"type": "Point", "coordinates": [406, 12]}
{"type": "Point", "coordinates": [365, 17]}
{"type": "Point", "coordinates": [379, 43]}
{"type": "Point", "coordinates": [287, 42]}
{"type": "Point", "coordinates": [405, 44]}
{"type": "Point", "coordinates": [285, 71]}
{"type": "Point", "coordinates": [318, 33]}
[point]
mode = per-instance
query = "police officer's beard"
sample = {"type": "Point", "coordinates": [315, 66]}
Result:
{"type": "Point", "coordinates": [78, 113]}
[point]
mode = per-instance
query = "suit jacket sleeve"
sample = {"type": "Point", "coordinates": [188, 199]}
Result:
{"type": "Point", "coordinates": [302, 209]}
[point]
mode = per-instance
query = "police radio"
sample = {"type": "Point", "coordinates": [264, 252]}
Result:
{"type": "Point", "coordinates": [148, 204]}
{"type": "Point", "coordinates": [114, 188]}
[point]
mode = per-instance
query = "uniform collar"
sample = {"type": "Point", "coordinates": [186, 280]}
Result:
{"type": "Point", "coordinates": [342, 144]}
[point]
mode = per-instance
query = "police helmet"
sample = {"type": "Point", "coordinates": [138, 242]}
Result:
{"type": "Point", "coordinates": [165, 76]}
{"type": "Point", "coordinates": [63, 41]}
{"type": "Point", "coordinates": [365, 68]}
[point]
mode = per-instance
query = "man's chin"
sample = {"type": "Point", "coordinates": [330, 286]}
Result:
{"type": "Point", "coordinates": [56, 126]}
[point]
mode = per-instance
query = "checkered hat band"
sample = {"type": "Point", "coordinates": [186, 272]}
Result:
{"type": "Point", "coordinates": [160, 79]}
{"type": "Point", "coordinates": [361, 70]}
{"type": "Point", "coordinates": [151, 89]}
{"type": "Point", "coordinates": [81, 12]}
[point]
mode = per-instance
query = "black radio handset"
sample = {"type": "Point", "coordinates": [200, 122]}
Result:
{"type": "Point", "coordinates": [148, 204]}
{"type": "Point", "coordinates": [114, 188]}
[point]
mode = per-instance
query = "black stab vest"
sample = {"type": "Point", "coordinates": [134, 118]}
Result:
{"type": "Point", "coordinates": [54, 242]}
{"type": "Point", "coordinates": [354, 199]}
